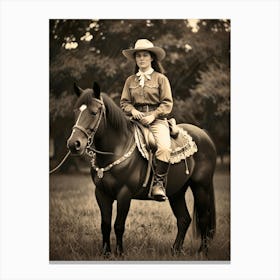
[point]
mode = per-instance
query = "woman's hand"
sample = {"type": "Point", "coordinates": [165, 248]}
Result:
{"type": "Point", "coordinates": [137, 114]}
{"type": "Point", "coordinates": [148, 119]}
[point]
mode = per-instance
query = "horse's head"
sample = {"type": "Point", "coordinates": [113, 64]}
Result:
{"type": "Point", "coordinates": [89, 110]}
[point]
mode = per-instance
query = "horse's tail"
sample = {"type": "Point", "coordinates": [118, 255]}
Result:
{"type": "Point", "coordinates": [210, 216]}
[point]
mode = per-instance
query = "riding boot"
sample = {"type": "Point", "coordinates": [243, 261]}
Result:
{"type": "Point", "coordinates": [160, 179]}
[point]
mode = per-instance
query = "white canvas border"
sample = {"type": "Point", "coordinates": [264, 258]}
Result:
{"type": "Point", "coordinates": [254, 146]}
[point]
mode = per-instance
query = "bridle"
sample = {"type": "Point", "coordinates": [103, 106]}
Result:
{"type": "Point", "coordinates": [91, 151]}
{"type": "Point", "coordinates": [89, 136]}
{"type": "Point", "coordinates": [93, 130]}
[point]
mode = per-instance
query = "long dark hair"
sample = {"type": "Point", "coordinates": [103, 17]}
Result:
{"type": "Point", "coordinates": [156, 65]}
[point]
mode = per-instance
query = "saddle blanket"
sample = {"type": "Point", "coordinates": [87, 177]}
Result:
{"type": "Point", "coordinates": [181, 147]}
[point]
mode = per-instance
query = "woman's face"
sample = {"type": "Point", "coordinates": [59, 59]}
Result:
{"type": "Point", "coordinates": [143, 60]}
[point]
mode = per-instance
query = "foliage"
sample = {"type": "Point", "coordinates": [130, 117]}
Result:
{"type": "Point", "coordinates": [183, 111]}
{"type": "Point", "coordinates": [211, 103]}
{"type": "Point", "coordinates": [99, 57]}
{"type": "Point", "coordinates": [213, 89]}
{"type": "Point", "coordinates": [61, 106]}
{"type": "Point", "coordinates": [197, 57]}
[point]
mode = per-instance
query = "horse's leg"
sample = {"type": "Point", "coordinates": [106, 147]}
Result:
{"type": "Point", "coordinates": [123, 204]}
{"type": "Point", "coordinates": [180, 210]}
{"type": "Point", "coordinates": [205, 213]}
{"type": "Point", "coordinates": [105, 205]}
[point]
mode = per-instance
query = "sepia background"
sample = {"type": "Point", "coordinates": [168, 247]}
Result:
{"type": "Point", "coordinates": [198, 67]}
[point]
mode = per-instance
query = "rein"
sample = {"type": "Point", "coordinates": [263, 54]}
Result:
{"type": "Point", "coordinates": [89, 137]}
{"type": "Point", "coordinates": [91, 151]}
{"type": "Point", "coordinates": [59, 165]}
{"type": "Point", "coordinates": [100, 170]}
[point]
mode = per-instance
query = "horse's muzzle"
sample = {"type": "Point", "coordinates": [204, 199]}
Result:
{"type": "Point", "coordinates": [75, 146]}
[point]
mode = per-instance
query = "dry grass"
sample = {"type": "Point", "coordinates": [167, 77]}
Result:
{"type": "Point", "coordinates": [150, 227]}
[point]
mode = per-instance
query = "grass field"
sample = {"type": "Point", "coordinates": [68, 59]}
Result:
{"type": "Point", "coordinates": [75, 232]}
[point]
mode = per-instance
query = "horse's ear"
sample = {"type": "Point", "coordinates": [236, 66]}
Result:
{"type": "Point", "coordinates": [77, 90]}
{"type": "Point", "coordinates": [96, 90]}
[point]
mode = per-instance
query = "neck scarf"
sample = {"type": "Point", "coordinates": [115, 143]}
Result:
{"type": "Point", "coordinates": [142, 75]}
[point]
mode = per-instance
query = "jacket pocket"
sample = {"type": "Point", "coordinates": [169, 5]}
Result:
{"type": "Point", "coordinates": [152, 89]}
{"type": "Point", "coordinates": [135, 91]}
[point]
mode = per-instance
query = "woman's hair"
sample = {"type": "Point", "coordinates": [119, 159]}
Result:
{"type": "Point", "coordinates": [156, 65]}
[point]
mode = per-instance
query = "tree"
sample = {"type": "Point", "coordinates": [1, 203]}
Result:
{"type": "Point", "coordinates": [211, 100]}
{"type": "Point", "coordinates": [87, 50]}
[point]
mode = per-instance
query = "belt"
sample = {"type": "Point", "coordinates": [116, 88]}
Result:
{"type": "Point", "coordinates": [146, 107]}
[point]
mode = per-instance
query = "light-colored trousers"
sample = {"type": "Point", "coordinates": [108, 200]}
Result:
{"type": "Point", "coordinates": [160, 131]}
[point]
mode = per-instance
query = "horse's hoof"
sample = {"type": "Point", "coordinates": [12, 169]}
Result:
{"type": "Point", "coordinates": [106, 252]}
{"type": "Point", "coordinates": [202, 253]}
{"type": "Point", "coordinates": [177, 252]}
{"type": "Point", "coordinates": [119, 253]}
{"type": "Point", "coordinates": [107, 255]}
{"type": "Point", "coordinates": [203, 249]}
{"type": "Point", "coordinates": [201, 256]}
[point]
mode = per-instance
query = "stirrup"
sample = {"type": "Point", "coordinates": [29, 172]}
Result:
{"type": "Point", "coordinates": [158, 193]}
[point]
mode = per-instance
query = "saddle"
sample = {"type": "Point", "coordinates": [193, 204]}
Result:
{"type": "Point", "coordinates": [149, 139]}
{"type": "Point", "coordinates": [182, 144]}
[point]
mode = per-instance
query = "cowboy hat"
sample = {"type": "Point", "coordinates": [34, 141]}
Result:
{"type": "Point", "coordinates": [144, 45]}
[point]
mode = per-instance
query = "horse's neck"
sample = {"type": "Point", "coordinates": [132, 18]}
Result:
{"type": "Point", "coordinates": [113, 141]}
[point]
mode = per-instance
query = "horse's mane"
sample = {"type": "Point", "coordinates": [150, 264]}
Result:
{"type": "Point", "coordinates": [114, 115]}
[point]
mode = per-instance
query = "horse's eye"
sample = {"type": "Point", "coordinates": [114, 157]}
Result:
{"type": "Point", "coordinates": [94, 113]}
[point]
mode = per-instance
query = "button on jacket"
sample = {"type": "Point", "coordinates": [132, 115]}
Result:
{"type": "Point", "coordinates": [156, 92]}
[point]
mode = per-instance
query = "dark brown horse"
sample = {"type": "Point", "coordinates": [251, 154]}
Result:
{"type": "Point", "coordinates": [119, 170]}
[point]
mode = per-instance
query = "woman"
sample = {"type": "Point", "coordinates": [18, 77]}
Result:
{"type": "Point", "coordinates": [147, 98]}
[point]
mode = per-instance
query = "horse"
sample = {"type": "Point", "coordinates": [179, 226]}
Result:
{"type": "Point", "coordinates": [118, 170]}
